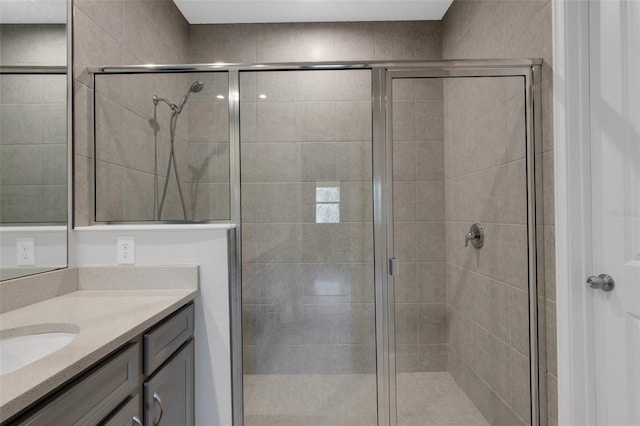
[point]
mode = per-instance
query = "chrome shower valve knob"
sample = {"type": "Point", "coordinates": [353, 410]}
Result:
{"type": "Point", "coordinates": [475, 235]}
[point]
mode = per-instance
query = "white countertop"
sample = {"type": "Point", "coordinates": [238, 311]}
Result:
{"type": "Point", "coordinates": [106, 319]}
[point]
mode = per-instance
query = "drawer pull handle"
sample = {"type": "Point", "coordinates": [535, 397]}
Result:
{"type": "Point", "coordinates": [136, 421]}
{"type": "Point", "coordinates": [156, 399]}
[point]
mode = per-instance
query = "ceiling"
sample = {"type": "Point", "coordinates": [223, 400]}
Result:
{"type": "Point", "coordinates": [250, 11]}
{"type": "Point", "coordinates": [33, 11]}
{"type": "Point", "coordinates": [257, 11]}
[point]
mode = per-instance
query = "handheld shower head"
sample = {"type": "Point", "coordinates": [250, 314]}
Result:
{"type": "Point", "coordinates": [196, 87]}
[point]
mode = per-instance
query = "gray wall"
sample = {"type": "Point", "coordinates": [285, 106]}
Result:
{"type": "Point", "coordinates": [132, 155]}
{"type": "Point", "coordinates": [313, 127]}
{"type": "Point", "coordinates": [501, 29]}
{"type": "Point", "coordinates": [33, 44]}
{"type": "Point", "coordinates": [485, 178]}
{"type": "Point", "coordinates": [133, 146]}
{"type": "Point", "coordinates": [33, 127]}
{"type": "Point", "coordinates": [124, 32]}
{"type": "Point", "coordinates": [208, 149]}
{"type": "Point", "coordinates": [356, 41]}
{"type": "Point", "coordinates": [307, 286]}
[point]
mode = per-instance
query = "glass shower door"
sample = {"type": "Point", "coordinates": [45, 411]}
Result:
{"type": "Point", "coordinates": [308, 320]}
{"type": "Point", "coordinates": [462, 343]}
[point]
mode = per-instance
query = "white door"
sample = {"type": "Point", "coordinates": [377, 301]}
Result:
{"type": "Point", "coordinates": [615, 161]}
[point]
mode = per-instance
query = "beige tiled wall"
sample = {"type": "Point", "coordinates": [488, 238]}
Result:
{"type": "Point", "coordinates": [112, 32]}
{"type": "Point", "coordinates": [313, 127]}
{"type": "Point", "coordinates": [133, 146]}
{"type": "Point", "coordinates": [506, 29]}
{"type": "Point", "coordinates": [487, 295]}
{"type": "Point", "coordinates": [208, 149]}
{"type": "Point", "coordinates": [418, 216]}
{"type": "Point", "coordinates": [122, 32]}
{"type": "Point", "coordinates": [308, 304]}
{"type": "Point", "coordinates": [132, 152]}
{"type": "Point", "coordinates": [33, 130]}
{"type": "Point", "coordinates": [340, 41]}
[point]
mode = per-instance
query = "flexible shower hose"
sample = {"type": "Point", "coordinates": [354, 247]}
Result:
{"type": "Point", "coordinates": [172, 159]}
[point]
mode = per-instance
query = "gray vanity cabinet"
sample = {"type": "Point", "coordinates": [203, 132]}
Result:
{"type": "Point", "coordinates": [93, 397]}
{"type": "Point", "coordinates": [169, 393]}
{"type": "Point", "coordinates": [148, 381]}
{"type": "Point", "coordinates": [168, 366]}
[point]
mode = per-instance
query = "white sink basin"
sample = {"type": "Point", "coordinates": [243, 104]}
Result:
{"type": "Point", "coordinates": [18, 351]}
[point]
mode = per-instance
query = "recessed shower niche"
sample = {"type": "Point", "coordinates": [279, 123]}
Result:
{"type": "Point", "coordinates": [355, 298]}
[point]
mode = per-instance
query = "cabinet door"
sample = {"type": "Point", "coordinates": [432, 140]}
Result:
{"type": "Point", "coordinates": [165, 339]}
{"type": "Point", "coordinates": [169, 393]}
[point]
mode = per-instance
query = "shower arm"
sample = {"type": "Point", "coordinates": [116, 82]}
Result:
{"type": "Point", "coordinates": [157, 100]}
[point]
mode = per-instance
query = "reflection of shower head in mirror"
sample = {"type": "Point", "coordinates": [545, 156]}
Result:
{"type": "Point", "coordinates": [196, 87]}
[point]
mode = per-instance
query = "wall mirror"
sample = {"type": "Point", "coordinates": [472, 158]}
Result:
{"type": "Point", "coordinates": [33, 136]}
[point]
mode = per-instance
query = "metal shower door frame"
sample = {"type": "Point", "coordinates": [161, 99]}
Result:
{"type": "Point", "coordinates": [383, 172]}
{"type": "Point", "coordinates": [382, 75]}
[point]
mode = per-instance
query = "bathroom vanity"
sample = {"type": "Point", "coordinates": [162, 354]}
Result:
{"type": "Point", "coordinates": [120, 390]}
{"type": "Point", "coordinates": [131, 361]}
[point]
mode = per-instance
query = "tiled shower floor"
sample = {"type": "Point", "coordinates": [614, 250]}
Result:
{"type": "Point", "coordinates": [424, 399]}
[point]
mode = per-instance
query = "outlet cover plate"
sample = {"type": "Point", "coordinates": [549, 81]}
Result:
{"type": "Point", "coordinates": [25, 252]}
{"type": "Point", "coordinates": [126, 250]}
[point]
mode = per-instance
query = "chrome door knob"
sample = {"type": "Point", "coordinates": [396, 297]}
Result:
{"type": "Point", "coordinates": [602, 282]}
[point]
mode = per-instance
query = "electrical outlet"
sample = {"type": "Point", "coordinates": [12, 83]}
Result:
{"type": "Point", "coordinates": [126, 250]}
{"type": "Point", "coordinates": [25, 252]}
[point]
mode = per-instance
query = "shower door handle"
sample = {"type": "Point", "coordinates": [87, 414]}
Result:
{"type": "Point", "coordinates": [393, 267]}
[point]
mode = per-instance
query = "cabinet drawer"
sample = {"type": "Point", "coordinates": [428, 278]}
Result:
{"type": "Point", "coordinates": [162, 341]}
{"type": "Point", "coordinates": [128, 415]}
{"type": "Point", "coordinates": [90, 400]}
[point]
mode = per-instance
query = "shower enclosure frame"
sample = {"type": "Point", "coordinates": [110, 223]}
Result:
{"type": "Point", "coordinates": [382, 74]}
{"type": "Point", "coordinates": [533, 134]}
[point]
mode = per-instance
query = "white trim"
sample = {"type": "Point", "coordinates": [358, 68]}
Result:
{"type": "Point", "coordinates": [155, 227]}
{"type": "Point", "coordinates": [576, 357]}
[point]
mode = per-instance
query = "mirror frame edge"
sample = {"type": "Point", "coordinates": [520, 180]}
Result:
{"type": "Point", "coordinates": [70, 148]}
{"type": "Point", "coordinates": [70, 135]}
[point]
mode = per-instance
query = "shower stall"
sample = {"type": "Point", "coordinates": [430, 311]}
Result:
{"type": "Point", "coordinates": [384, 266]}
